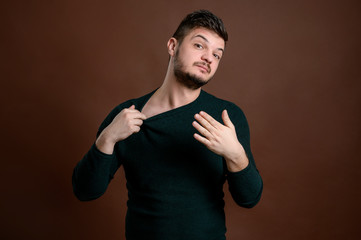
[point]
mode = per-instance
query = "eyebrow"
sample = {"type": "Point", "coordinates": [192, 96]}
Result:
{"type": "Point", "coordinates": [205, 39]}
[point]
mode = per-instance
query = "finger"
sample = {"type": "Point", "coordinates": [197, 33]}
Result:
{"type": "Point", "coordinates": [133, 110]}
{"type": "Point", "coordinates": [202, 130]}
{"type": "Point", "coordinates": [137, 122]}
{"type": "Point", "coordinates": [210, 119]}
{"type": "Point", "coordinates": [136, 129]}
{"type": "Point", "coordinates": [201, 139]}
{"type": "Point", "coordinates": [225, 117]}
{"type": "Point", "coordinates": [136, 114]}
{"type": "Point", "coordinates": [204, 122]}
{"type": "Point", "coordinates": [141, 116]}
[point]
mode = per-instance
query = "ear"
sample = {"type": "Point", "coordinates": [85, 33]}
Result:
{"type": "Point", "coordinates": [172, 45]}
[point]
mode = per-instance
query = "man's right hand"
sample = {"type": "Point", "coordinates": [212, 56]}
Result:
{"type": "Point", "coordinates": [127, 122]}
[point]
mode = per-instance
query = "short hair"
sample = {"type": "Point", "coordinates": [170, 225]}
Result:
{"type": "Point", "coordinates": [201, 18]}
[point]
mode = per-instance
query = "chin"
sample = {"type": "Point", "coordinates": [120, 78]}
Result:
{"type": "Point", "coordinates": [190, 79]}
{"type": "Point", "coordinates": [196, 82]}
{"type": "Point", "coordinates": [201, 77]}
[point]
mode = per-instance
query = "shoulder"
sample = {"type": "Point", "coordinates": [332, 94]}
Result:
{"type": "Point", "coordinates": [235, 113]}
{"type": "Point", "coordinates": [219, 103]}
{"type": "Point", "coordinates": [138, 102]}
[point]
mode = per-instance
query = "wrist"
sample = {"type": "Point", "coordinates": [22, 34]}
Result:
{"type": "Point", "coordinates": [237, 161]}
{"type": "Point", "coordinates": [105, 143]}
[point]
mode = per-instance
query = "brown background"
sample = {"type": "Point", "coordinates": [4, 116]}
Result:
{"type": "Point", "coordinates": [292, 66]}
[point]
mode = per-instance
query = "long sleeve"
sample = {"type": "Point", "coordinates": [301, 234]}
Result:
{"type": "Point", "coordinates": [94, 172]}
{"type": "Point", "coordinates": [245, 186]}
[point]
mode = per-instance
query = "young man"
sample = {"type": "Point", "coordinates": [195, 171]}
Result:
{"type": "Point", "coordinates": [178, 145]}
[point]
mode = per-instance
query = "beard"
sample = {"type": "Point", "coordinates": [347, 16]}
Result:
{"type": "Point", "coordinates": [191, 81]}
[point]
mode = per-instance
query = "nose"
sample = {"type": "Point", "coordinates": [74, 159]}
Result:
{"type": "Point", "coordinates": [207, 57]}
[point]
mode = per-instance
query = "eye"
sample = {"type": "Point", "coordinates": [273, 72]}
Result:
{"type": "Point", "coordinates": [217, 56]}
{"type": "Point", "coordinates": [199, 46]}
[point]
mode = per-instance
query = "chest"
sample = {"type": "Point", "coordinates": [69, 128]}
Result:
{"type": "Point", "coordinates": [166, 151]}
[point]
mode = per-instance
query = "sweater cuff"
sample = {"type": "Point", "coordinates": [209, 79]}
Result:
{"type": "Point", "coordinates": [99, 154]}
{"type": "Point", "coordinates": [97, 160]}
{"type": "Point", "coordinates": [245, 186]}
{"type": "Point", "coordinates": [244, 171]}
{"type": "Point", "coordinates": [248, 178]}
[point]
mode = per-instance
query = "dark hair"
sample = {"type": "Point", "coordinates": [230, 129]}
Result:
{"type": "Point", "coordinates": [201, 18]}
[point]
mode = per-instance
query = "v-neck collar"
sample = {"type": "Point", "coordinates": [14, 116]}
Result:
{"type": "Point", "coordinates": [168, 112]}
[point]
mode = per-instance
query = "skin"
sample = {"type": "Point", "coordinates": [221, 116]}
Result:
{"type": "Point", "coordinates": [198, 55]}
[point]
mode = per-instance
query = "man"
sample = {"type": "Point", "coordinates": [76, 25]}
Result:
{"type": "Point", "coordinates": [178, 145]}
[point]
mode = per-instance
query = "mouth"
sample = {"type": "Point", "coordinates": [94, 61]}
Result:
{"type": "Point", "coordinates": [203, 67]}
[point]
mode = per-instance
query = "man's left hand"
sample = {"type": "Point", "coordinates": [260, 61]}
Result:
{"type": "Point", "coordinates": [221, 139]}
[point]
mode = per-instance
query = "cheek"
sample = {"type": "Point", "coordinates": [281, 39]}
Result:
{"type": "Point", "coordinates": [214, 67]}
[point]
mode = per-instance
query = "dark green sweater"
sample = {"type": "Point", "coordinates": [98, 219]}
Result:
{"type": "Point", "coordinates": [175, 184]}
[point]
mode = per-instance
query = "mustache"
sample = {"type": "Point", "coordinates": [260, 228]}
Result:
{"type": "Point", "coordinates": [203, 64]}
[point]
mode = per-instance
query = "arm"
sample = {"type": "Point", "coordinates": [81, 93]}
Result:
{"type": "Point", "coordinates": [245, 186]}
{"type": "Point", "coordinates": [93, 173]}
{"type": "Point", "coordinates": [231, 141]}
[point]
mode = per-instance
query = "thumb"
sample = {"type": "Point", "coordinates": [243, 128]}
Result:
{"type": "Point", "coordinates": [226, 119]}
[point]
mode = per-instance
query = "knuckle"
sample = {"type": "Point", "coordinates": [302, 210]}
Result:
{"type": "Point", "coordinates": [127, 121]}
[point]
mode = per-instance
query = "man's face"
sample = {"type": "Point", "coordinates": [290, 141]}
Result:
{"type": "Point", "coordinates": [197, 58]}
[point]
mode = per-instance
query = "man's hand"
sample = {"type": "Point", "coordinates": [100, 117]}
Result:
{"type": "Point", "coordinates": [127, 122]}
{"type": "Point", "coordinates": [221, 139]}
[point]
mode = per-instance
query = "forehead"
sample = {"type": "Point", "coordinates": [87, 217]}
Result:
{"type": "Point", "coordinates": [209, 36]}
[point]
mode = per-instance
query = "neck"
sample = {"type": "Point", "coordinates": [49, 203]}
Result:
{"type": "Point", "coordinates": [174, 94]}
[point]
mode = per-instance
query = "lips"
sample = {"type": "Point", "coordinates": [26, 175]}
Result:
{"type": "Point", "coordinates": [203, 66]}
